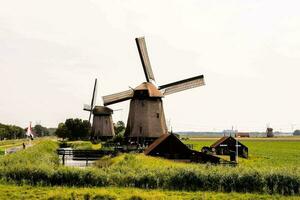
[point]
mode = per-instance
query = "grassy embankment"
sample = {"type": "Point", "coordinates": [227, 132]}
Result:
{"type": "Point", "coordinates": [39, 165]}
{"type": "Point", "coordinates": [83, 145]}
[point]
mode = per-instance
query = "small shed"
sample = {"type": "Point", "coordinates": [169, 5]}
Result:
{"type": "Point", "coordinates": [170, 147]}
{"type": "Point", "coordinates": [226, 144]}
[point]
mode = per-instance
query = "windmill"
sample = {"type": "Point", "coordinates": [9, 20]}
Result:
{"type": "Point", "coordinates": [29, 133]}
{"type": "Point", "coordinates": [102, 126]}
{"type": "Point", "coordinates": [146, 119]}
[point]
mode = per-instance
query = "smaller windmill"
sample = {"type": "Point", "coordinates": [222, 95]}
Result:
{"type": "Point", "coordinates": [102, 126]}
{"type": "Point", "coordinates": [29, 133]}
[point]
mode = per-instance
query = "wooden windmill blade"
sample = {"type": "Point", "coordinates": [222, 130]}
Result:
{"type": "Point", "coordinates": [142, 48]}
{"type": "Point", "coordinates": [185, 84]}
{"type": "Point", "coordinates": [93, 102]}
{"type": "Point", "coordinates": [117, 97]}
{"type": "Point", "coordinates": [87, 107]}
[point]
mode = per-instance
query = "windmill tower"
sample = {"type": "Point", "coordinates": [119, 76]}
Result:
{"type": "Point", "coordinates": [146, 119]}
{"type": "Point", "coordinates": [102, 126]}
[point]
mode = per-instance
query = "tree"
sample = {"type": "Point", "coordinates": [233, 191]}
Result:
{"type": "Point", "coordinates": [297, 132]}
{"type": "Point", "coordinates": [2, 133]}
{"type": "Point", "coordinates": [62, 131]}
{"type": "Point", "coordinates": [119, 127]}
{"type": "Point", "coordinates": [74, 129]}
{"type": "Point", "coordinates": [11, 132]}
{"type": "Point", "coordinates": [15, 132]}
{"type": "Point", "coordinates": [40, 130]}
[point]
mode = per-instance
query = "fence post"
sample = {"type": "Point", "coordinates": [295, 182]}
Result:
{"type": "Point", "coordinates": [86, 155]}
{"type": "Point", "coordinates": [63, 159]}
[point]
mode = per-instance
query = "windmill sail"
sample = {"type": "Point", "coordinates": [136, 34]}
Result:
{"type": "Point", "coordinates": [141, 45]}
{"type": "Point", "coordinates": [185, 84]}
{"type": "Point", "coordinates": [29, 131]}
{"type": "Point", "coordinates": [93, 102]}
{"type": "Point", "coordinates": [117, 97]}
{"type": "Point", "coordinates": [87, 107]}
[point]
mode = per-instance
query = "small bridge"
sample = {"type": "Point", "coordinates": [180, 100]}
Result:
{"type": "Point", "coordinates": [82, 155]}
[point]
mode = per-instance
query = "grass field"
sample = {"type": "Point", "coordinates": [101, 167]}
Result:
{"type": "Point", "coordinates": [272, 168]}
{"type": "Point", "coordinates": [111, 193]}
{"type": "Point", "coordinates": [263, 152]}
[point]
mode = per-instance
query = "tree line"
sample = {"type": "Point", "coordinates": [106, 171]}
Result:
{"type": "Point", "coordinates": [16, 132]}
{"type": "Point", "coordinates": [78, 129]}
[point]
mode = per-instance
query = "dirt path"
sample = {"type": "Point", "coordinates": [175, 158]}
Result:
{"type": "Point", "coordinates": [16, 149]}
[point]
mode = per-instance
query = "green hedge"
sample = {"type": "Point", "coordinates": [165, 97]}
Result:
{"type": "Point", "coordinates": [190, 180]}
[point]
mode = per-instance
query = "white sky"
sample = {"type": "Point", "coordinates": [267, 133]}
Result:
{"type": "Point", "coordinates": [248, 51]}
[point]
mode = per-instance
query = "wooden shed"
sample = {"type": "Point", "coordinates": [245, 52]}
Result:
{"type": "Point", "coordinates": [226, 144]}
{"type": "Point", "coordinates": [170, 147]}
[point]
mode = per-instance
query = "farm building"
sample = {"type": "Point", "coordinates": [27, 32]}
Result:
{"type": "Point", "coordinates": [225, 145]}
{"type": "Point", "coordinates": [242, 135]}
{"type": "Point", "coordinates": [169, 146]}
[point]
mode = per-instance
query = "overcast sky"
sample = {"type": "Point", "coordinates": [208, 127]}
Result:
{"type": "Point", "coordinates": [248, 51]}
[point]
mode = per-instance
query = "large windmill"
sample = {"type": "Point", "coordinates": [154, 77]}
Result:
{"type": "Point", "coordinates": [102, 126]}
{"type": "Point", "coordinates": [146, 119]}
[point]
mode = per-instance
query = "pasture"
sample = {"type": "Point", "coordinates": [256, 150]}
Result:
{"type": "Point", "coordinates": [263, 152]}
{"type": "Point", "coordinates": [272, 169]}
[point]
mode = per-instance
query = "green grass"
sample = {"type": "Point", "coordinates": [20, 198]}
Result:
{"type": "Point", "coordinates": [110, 193]}
{"type": "Point", "coordinates": [38, 165]}
{"type": "Point", "coordinates": [43, 153]}
{"type": "Point", "coordinates": [272, 154]}
{"type": "Point", "coordinates": [2, 151]}
{"type": "Point", "coordinates": [83, 145]}
{"type": "Point", "coordinates": [5, 144]}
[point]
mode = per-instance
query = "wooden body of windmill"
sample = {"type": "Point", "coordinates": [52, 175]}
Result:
{"type": "Point", "coordinates": [102, 125]}
{"type": "Point", "coordinates": [146, 120]}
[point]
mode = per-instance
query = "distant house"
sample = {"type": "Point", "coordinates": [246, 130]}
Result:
{"type": "Point", "coordinates": [226, 145]}
{"type": "Point", "coordinates": [170, 147]}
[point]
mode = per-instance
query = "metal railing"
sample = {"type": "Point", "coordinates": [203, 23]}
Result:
{"type": "Point", "coordinates": [86, 155]}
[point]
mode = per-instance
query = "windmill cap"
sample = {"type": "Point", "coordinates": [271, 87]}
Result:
{"type": "Point", "coordinates": [150, 87]}
{"type": "Point", "coordinates": [102, 110]}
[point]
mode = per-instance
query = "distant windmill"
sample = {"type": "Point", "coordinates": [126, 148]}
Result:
{"type": "Point", "coordinates": [146, 119]}
{"type": "Point", "coordinates": [102, 126]}
{"type": "Point", "coordinates": [29, 133]}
